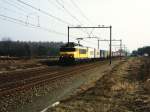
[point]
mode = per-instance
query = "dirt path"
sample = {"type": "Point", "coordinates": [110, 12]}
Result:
{"type": "Point", "coordinates": [126, 88]}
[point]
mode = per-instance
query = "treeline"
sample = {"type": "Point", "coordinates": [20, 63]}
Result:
{"type": "Point", "coordinates": [29, 49]}
{"type": "Point", "coordinates": [142, 51]}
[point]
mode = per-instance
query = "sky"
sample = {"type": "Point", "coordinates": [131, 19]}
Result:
{"type": "Point", "coordinates": [130, 20]}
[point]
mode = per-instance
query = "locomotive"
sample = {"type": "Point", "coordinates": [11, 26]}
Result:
{"type": "Point", "coordinates": [72, 52]}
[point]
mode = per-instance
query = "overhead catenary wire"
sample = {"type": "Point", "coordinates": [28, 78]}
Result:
{"type": "Point", "coordinates": [13, 11]}
{"type": "Point", "coordinates": [85, 31]}
{"type": "Point", "coordinates": [12, 21]}
{"type": "Point", "coordinates": [74, 17]}
{"type": "Point", "coordinates": [21, 10]}
{"type": "Point", "coordinates": [14, 5]}
{"type": "Point", "coordinates": [61, 7]}
{"type": "Point", "coordinates": [76, 6]}
{"type": "Point", "coordinates": [81, 12]}
{"type": "Point", "coordinates": [68, 12]}
{"type": "Point", "coordinates": [16, 20]}
{"type": "Point", "coordinates": [21, 22]}
{"type": "Point", "coordinates": [20, 5]}
{"type": "Point", "coordinates": [52, 2]}
{"type": "Point", "coordinates": [44, 12]}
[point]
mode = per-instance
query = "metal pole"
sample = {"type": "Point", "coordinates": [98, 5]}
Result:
{"type": "Point", "coordinates": [125, 50]}
{"type": "Point", "coordinates": [120, 48]}
{"type": "Point", "coordinates": [68, 35]}
{"type": "Point", "coordinates": [98, 44]}
{"type": "Point", "coordinates": [110, 43]}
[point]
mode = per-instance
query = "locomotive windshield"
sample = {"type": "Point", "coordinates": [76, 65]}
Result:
{"type": "Point", "coordinates": [65, 49]}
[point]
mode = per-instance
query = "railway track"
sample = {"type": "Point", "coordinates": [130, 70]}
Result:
{"type": "Point", "coordinates": [12, 65]}
{"type": "Point", "coordinates": [38, 77]}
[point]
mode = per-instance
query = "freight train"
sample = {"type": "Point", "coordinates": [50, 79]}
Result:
{"type": "Point", "coordinates": [72, 52]}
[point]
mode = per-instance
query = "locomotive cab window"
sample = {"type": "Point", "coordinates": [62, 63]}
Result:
{"type": "Point", "coordinates": [82, 51]}
{"type": "Point", "coordinates": [67, 49]}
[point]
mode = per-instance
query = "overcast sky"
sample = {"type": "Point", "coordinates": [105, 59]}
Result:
{"type": "Point", "coordinates": [130, 20]}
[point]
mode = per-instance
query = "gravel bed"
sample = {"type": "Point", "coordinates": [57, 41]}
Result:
{"type": "Point", "coordinates": [38, 98]}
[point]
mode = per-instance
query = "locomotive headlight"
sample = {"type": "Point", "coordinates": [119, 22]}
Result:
{"type": "Point", "coordinates": [71, 56]}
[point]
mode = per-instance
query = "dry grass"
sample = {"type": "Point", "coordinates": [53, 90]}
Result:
{"type": "Point", "coordinates": [125, 86]}
{"type": "Point", "coordinates": [119, 90]}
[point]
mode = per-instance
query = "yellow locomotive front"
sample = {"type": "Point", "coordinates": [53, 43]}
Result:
{"type": "Point", "coordinates": [67, 54]}
{"type": "Point", "coordinates": [71, 53]}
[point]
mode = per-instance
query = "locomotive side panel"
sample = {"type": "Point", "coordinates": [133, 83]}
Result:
{"type": "Point", "coordinates": [90, 53]}
{"type": "Point", "coordinates": [97, 53]}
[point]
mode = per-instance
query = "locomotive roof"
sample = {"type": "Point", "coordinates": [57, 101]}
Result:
{"type": "Point", "coordinates": [71, 44]}
{"type": "Point", "coordinates": [76, 45]}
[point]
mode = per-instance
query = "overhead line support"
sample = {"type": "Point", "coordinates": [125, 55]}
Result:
{"type": "Point", "coordinates": [112, 45]}
{"type": "Point", "coordinates": [110, 28]}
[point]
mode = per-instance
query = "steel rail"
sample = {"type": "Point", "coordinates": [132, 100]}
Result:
{"type": "Point", "coordinates": [45, 78]}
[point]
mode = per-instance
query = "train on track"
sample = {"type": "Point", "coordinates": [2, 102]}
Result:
{"type": "Point", "coordinates": [72, 52]}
